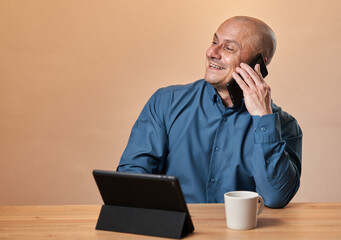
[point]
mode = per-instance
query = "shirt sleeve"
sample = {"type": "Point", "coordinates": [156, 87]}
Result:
{"type": "Point", "coordinates": [276, 158]}
{"type": "Point", "coordinates": [147, 145]}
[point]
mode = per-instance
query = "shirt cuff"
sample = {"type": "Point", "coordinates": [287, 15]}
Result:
{"type": "Point", "coordinates": [267, 128]}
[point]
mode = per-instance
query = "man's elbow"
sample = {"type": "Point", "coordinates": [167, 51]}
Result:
{"type": "Point", "coordinates": [276, 202]}
{"type": "Point", "coordinates": [131, 169]}
{"type": "Point", "coordinates": [279, 199]}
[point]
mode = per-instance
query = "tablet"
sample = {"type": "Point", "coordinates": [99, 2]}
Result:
{"type": "Point", "coordinates": [145, 191]}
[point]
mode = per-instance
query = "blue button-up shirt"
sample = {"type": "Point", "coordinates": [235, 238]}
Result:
{"type": "Point", "coordinates": [187, 132]}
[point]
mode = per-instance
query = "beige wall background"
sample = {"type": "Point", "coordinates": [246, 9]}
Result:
{"type": "Point", "coordinates": [75, 74]}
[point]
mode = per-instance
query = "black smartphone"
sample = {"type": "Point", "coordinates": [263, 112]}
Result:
{"type": "Point", "coordinates": [236, 93]}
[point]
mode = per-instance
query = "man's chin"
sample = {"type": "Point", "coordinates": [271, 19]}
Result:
{"type": "Point", "coordinates": [216, 83]}
{"type": "Point", "coordinates": [213, 82]}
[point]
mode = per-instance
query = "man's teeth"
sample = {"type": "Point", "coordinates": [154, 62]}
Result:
{"type": "Point", "coordinates": [215, 66]}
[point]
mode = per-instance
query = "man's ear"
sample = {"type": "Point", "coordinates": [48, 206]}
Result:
{"type": "Point", "coordinates": [266, 60]}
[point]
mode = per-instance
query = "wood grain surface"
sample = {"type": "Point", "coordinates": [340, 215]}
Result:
{"type": "Point", "coordinates": [296, 221]}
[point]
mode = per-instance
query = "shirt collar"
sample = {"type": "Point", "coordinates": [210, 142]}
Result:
{"type": "Point", "coordinates": [211, 92]}
{"type": "Point", "coordinates": [214, 96]}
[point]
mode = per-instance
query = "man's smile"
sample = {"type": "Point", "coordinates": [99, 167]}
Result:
{"type": "Point", "coordinates": [216, 66]}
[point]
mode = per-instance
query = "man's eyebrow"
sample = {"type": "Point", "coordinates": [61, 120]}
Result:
{"type": "Point", "coordinates": [226, 40]}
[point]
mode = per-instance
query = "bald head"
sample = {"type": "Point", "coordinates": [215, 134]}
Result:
{"type": "Point", "coordinates": [261, 37]}
{"type": "Point", "coordinates": [237, 40]}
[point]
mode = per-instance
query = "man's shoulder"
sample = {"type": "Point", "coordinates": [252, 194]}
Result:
{"type": "Point", "coordinates": [281, 112]}
{"type": "Point", "coordinates": [287, 120]}
{"type": "Point", "coordinates": [177, 93]}
{"type": "Point", "coordinates": [197, 85]}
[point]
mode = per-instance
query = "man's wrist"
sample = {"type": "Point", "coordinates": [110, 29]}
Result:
{"type": "Point", "coordinates": [262, 113]}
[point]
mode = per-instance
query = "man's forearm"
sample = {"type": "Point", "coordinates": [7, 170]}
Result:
{"type": "Point", "coordinates": [277, 178]}
{"type": "Point", "coordinates": [276, 161]}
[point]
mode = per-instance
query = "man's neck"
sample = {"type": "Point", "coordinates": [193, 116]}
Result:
{"type": "Point", "coordinates": [225, 97]}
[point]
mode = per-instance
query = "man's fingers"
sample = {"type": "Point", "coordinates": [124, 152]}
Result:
{"type": "Point", "coordinates": [260, 76]}
{"type": "Point", "coordinates": [254, 74]}
{"type": "Point", "coordinates": [246, 77]}
{"type": "Point", "coordinates": [240, 81]}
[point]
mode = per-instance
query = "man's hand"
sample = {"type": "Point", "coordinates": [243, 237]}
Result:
{"type": "Point", "coordinates": [257, 93]}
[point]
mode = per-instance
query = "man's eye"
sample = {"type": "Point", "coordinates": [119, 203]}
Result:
{"type": "Point", "coordinates": [214, 43]}
{"type": "Point", "coordinates": [227, 47]}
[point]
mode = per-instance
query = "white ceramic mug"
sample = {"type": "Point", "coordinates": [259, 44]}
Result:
{"type": "Point", "coordinates": [242, 209]}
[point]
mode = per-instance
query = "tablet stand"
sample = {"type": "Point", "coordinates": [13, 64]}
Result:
{"type": "Point", "coordinates": [160, 223]}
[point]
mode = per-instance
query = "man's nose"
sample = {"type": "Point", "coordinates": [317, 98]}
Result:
{"type": "Point", "coordinates": [215, 51]}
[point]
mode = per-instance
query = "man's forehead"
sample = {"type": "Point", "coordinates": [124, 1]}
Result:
{"type": "Point", "coordinates": [239, 31]}
{"type": "Point", "coordinates": [237, 28]}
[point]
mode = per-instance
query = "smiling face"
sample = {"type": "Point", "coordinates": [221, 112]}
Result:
{"type": "Point", "coordinates": [234, 42]}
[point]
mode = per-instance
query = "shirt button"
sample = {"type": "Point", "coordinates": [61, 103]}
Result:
{"type": "Point", "coordinates": [224, 119]}
{"type": "Point", "coordinates": [217, 149]}
{"type": "Point", "coordinates": [255, 130]}
{"type": "Point", "coordinates": [263, 129]}
{"type": "Point", "coordinates": [267, 162]}
{"type": "Point", "coordinates": [212, 180]}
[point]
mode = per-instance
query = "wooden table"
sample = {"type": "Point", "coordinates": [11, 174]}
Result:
{"type": "Point", "coordinates": [296, 221]}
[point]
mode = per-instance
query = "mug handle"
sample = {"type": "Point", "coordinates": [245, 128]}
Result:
{"type": "Point", "coordinates": [260, 205]}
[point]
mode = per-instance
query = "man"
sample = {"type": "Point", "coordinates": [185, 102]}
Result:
{"type": "Point", "coordinates": [194, 131]}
